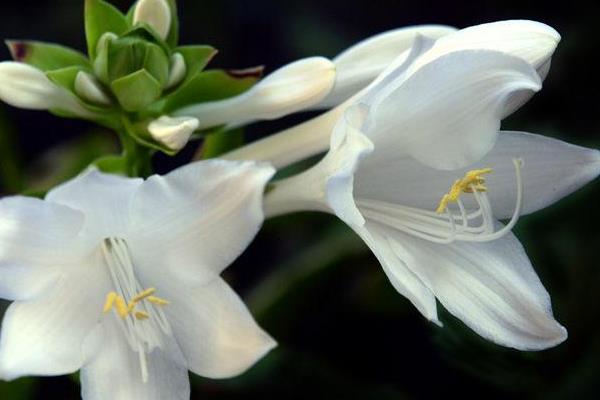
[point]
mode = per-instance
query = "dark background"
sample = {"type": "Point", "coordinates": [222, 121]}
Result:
{"type": "Point", "coordinates": [343, 331]}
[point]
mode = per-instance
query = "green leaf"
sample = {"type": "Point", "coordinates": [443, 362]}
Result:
{"type": "Point", "coordinates": [64, 77]}
{"type": "Point", "coordinates": [46, 56]}
{"type": "Point", "coordinates": [196, 58]}
{"type": "Point", "coordinates": [157, 63]}
{"type": "Point", "coordinates": [137, 90]}
{"type": "Point", "coordinates": [144, 32]}
{"type": "Point", "coordinates": [221, 142]}
{"type": "Point", "coordinates": [209, 86]}
{"type": "Point", "coordinates": [101, 17]}
{"type": "Point", "coordinates": [112, 164]}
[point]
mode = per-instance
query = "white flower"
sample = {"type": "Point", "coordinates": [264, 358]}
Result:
{"type": "Point", "coordinates": [418, 168]}
{"type": "Point", "coordinates": [359, 65]}
{"type": "Point", "coordinates": [291, 88]}
{"type": "Point", "coordinates": [155, 13]}
{"type": "Point", "coordinates": [120, 278]}
{"type": "Point", "coordinates": [522, 48]}
{"type": "Point", "coordinates": [24, 86]}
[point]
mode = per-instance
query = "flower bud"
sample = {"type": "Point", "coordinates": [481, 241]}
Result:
{"type": "Point", "coordinates": [177, 71]}
{"type": "Point", "coordinates": [155, 13]}
{"type": "Point", "coordinates": [174, 133]}
{"type": "Point", "coordinates": [89, 89]}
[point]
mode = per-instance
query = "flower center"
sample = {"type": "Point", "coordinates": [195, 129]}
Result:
{"type": "Point", "coordinates": [446, 225]}
{"type": "Point", "coordinates": [141, 319]}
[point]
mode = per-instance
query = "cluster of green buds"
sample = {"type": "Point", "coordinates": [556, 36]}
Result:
{"type": "Point", "coordinates": [133, 78]}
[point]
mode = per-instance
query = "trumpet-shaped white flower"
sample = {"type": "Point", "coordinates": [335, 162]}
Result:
{"type": "Point", "coordinates": [291, 88]}
{"type": "Point", "coordinates": [120, 278]}
{"type": "Point", "coordinates": [24, 86]}
{"type": "Point", "coordinates": [528, 42]}
{"type": "Point", "coordinates": [417, 169]}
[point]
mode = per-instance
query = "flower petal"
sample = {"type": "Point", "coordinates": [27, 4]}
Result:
{"type": "Point", "coordinates": [376, 236]}
{"type": "Point", "coordinates": [360, 64]}
{"type": "Point", "coordinates": [450, 108]}
{"type": "Point", "coordinates": [491, 287]}
{"type": "Point", "coordinates": [45, 336]}
{"type": "Point", "coordinates": [216, 333]}
{"type": "Point", "coordinates": [196, 220]}
{"type": "Point", "coordinates": [33, 244]}
{"type": "Point", "coordinates": [113, 372]}
{"type": "Point", "coordinates": [103, 198]}
{"type": "Point", "coordinates": [551, 170]}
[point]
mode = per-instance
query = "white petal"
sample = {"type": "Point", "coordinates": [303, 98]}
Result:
{"type": "Point", "coordinates": [359, 65]}
{"type": "Point", "coordinates": [24, 86]}
{"type": "Point", "coordinates": [292, 88]}
{"type": "Point", "coordinates": [551, 170]}
{"type": "Point", "coordinates": [490, 286]}
{"type": "Point", "coordinates": [446, 113]}
{"type": "Point", "coordinates": [328, 186]}
{"type": "Point", "coordinates": [218, 336]}
{"type": "Point", "coordinates": [402, 278]}
{"type": "Point", "coordinates": [173, 132]}
{"type": "Point", "coordinates": [34, 242]}
{"type": "Point", "coordinates": [103, 198]}
{"type": "Point", "coordinates": [45, 336]}
{"type": "Point", "coordinates": [155, 13]}
{"type": "Point", "coordinates": [177, 70]}
{"type": "Point", "coordinates": [113, 372]}
{"type": "Point", "coordinates": [196, 220]}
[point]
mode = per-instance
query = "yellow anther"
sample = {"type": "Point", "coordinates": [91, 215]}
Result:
{"type": "Point", "coordinates": [141, 296]}
{"type": "Point", "coordinates": [471, 182]}
{"type": "Point", "coordinates": [157, 300]}
{"type": "Point", "coordinates": [141, 315]}
{"type": "Point", "coordinates": [110, 300]}
{"type": "Point", "coordinates": [121, 307]}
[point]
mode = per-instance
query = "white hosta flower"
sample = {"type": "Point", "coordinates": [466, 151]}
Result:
{"type": "Point", "coordinates": [120, 278]}
{"type": "Point", "coordinates": [155, 13]}
{"type": "Point", "coordinates": [177, 71]}
{"type": "Point", "coordinates": [360, 64]}
{"type": "Point", "coordinates": [291, 88]}
{"type": "Point", "coordinates": [429, 88]}
{"type": "Point", "coordinates": [435, 242]}
{"type": "Point", "coordinates": [24, 86]}
{"type": "Point", "coordinates": [173, 132]}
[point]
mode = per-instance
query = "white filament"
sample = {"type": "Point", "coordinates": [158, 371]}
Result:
{"type": "Point", "coordinates": [145, 335]}
{"type": "Point", "coordinates": [475, 226]}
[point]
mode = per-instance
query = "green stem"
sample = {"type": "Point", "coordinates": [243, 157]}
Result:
{"type": "Point", "coordinates": [138, 159]}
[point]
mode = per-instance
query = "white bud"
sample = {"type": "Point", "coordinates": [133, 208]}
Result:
{"type": "Point", "coordinates": [24, 86]}
{"type": "Point", "coordinates": [89, 89]}
{"type": "Point", "coordinates": [177, 71]}
{"type": "Point", "coordinates": [173, 132]}
{"type": "Point", "coordinates": [290, 89]}
{"type": "Point", "coordinates": [155, 13]}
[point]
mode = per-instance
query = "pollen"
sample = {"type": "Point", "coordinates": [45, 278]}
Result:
{"type": "Point", "coordinates": [141, 296]}
{"type": "Point", "coordinates": [110, 301]}
{"type": "Point", "coordinates": [157, 300]}
{"type": "Point", "coordinates": [141, 315]}
{"type": "Point", "coordinates": [121, 307]}
{"type": "Point", "coordinates": [473, 181]}
{"type": "Point", "coordinates": [124, 309]}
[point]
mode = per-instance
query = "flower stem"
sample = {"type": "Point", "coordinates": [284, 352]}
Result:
{"type": "Point", "coordinates": [293, 144]}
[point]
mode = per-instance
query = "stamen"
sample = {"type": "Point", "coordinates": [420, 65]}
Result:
{"type": "Point", "coordinates": [158, 301]}
{"type": "Point", "coordinates": [141, 315]}
{"type": "Point", "coordinates": [110, 300]}
{"type": "Point", "coordinates": [141, 296]}
{"type": "Point", "coordinates": [121, 307]}
{"type": "Point", "coordinates": [471, 182]}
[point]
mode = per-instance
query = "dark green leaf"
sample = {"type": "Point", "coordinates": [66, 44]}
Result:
{"type": "Point", "coordinates": [157, 63]}
{"type": "Point", "coordinates": [46, 56]}
{"type": "Point", "coordinates": [137, 90]}
{"type": "Point", "coordinates": [64, 77]}
{"type": "Point", "coordinates": [101, 17]}
{"type": "Point", "coordinates": [196, 58]}
{"type": "Point", "coordinates": [221, 142]}
{"type": "Point", "coordinates": [112, 164]}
